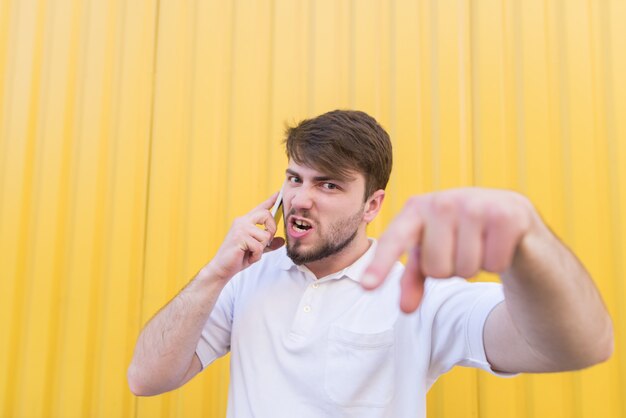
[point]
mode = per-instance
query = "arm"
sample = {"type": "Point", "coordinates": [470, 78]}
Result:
{"type": "Point", "coordinates": [165, 357]}
{"type": "Point", "coordinates": [552, 318]}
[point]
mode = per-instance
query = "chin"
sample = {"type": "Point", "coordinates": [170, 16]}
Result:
{"type": "Point", "coordinates": [297, 257]}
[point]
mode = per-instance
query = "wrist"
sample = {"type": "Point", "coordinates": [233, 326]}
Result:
{"type": "Point", "coordinates": [206, 284]}
{"type": "Point", "coordinates": [212, 274]}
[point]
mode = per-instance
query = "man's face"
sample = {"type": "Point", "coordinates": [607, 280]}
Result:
{"type": "Point", "coordinates": [323, 213]}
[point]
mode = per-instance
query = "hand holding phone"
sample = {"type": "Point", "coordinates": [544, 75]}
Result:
{"type": "Point", "coordinates": [247, 240]}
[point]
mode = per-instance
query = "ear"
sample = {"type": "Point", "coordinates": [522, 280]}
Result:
{"type": "Point", "coordinates": [373, 204]}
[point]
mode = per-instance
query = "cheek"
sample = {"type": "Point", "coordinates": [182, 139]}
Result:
{"type": "Point", "coordinates": [286, 206]}
{"type": "Point", "coordinates": [288, 197]}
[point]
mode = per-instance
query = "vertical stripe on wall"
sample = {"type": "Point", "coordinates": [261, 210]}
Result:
{"type": "Point", "coordinates": [133, 133]}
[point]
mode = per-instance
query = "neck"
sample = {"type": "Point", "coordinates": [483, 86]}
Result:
{"type": "Point", "coordinates": [342, 259]}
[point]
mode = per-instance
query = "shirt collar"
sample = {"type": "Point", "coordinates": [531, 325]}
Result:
{"type": "Point", "coordinates": [354, 271]}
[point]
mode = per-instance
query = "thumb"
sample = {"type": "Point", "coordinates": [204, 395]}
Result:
{"type": "Point", "coordinates": [276, 243]}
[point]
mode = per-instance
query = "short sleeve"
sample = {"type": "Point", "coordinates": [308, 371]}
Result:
{"type": "Point", "coordinates": [459, 310]}
{"type": "Point", "coordinates": [215, 338]}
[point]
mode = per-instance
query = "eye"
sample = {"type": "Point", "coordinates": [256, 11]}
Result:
{"type": "Point", "coordinates": [329, 186]}
{"type": "Point", "coordinates": [294, 179]}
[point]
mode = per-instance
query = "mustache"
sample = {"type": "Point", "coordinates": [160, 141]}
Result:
{"type": "Point", "coordinates": [302, 213]}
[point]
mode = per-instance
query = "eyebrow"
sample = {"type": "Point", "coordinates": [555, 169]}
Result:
{"type": "Point", "coordinates": [322, 178]}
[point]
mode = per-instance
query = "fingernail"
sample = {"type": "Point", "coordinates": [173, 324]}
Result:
{"type": "Point", "coordinates": [369, 280]}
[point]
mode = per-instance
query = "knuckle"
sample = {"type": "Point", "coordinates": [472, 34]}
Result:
{"type": "Point", "coordinates": [413, 203]}
{"type": "Point", "coordinates": [520, 198]}
{"type": "Point", "coordinates": [237, 235]}
{"type": "Point", "coordinates": [255, 251]}
{"type": "Point", "coordinates": [472, 210]}
{"type": "Point", "coordinates": [442, 203]}
{"type": "Point", "coordinates": [501, 214]}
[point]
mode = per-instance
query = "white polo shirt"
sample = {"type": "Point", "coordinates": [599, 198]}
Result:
{"type": "Point", "coordinates": [302, 347]}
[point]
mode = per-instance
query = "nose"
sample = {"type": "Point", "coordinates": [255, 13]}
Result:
{"type": "Point", "coordinates": [301, 199]}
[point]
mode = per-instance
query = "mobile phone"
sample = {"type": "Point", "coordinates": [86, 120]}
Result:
{"type": "Point", "coordinates": [277, 209]}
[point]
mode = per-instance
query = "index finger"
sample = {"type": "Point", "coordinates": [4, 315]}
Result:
{"type": "Point", "coordinates": [403, 233]}
{"type": "Point", "coordinates": [267, 204]}
{"type": "Point", "coordinates": [261, 214]}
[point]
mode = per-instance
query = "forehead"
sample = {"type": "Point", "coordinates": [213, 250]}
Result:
{"type": "Point", "coordinates": [307, 171]}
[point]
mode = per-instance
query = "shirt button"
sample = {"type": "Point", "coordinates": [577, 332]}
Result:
{"type": "Point", "coordinates": [307, 309]}
{"type": "Point", "coordinates": [315, 285]}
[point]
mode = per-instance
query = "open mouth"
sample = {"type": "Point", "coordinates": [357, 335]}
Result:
{"type": "Point", "coordinates": [301, 226]}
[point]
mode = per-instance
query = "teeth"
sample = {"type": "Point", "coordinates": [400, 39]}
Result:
{"type": "Point", "coordinates": [301, 226]}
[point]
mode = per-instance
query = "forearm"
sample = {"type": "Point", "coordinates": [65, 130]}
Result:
{"type": "Point", "coordinates": [166, 346]}
{"type": "Point", "coordinates": [555, 306]}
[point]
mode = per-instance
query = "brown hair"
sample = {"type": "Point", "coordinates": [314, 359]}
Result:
{"type": "Point", "coordinates": [341, 141]}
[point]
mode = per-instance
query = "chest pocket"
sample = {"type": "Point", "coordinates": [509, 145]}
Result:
{"type": "Point", "coordinates": [360, 368]}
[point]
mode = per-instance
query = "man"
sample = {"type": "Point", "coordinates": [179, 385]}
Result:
{"type": "Point", "coordinates": [314, 328]}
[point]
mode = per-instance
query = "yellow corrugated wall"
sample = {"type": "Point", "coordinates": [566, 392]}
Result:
{"type": "Point", "coordinates": [133, 132]}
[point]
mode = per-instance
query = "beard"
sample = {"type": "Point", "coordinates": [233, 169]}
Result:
{"type": "Point", "coordinates": [341, 234]}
